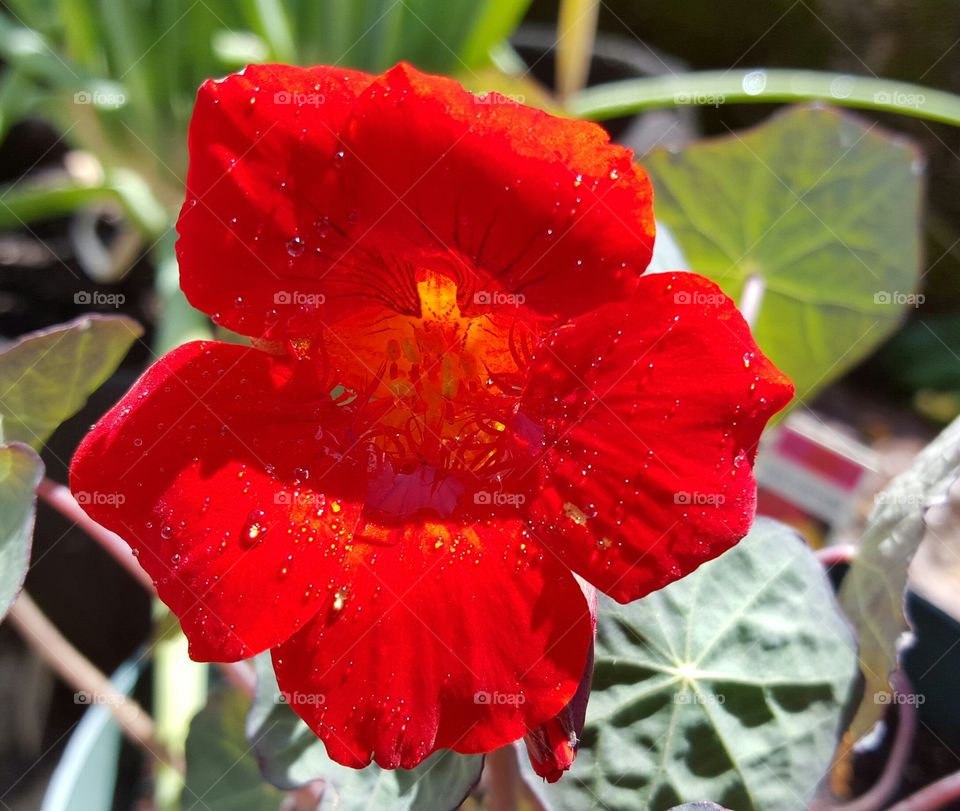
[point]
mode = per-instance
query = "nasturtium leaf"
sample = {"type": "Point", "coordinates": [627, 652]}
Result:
{"type": "Point", "coordinates": [221, 770]}
{"type": "Point", "coordinates": [667, 256]}
{"type": "Point", "coordinates": [20, 473]}
{"type": "Point", "coordinates": [290, 755]}
{"type": "Point", "coordinates": [824, 209]}
{"type": "Point", "coordinates": [728, 684]}
{"type": "Point", "coordinates": [46, 376]}
{"type": "Point", "coordinates": [872, 593]}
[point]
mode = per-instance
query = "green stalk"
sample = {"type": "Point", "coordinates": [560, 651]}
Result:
{"type": "Point", "coordinates": [179, 692]}
{"type": "Point", "coordinates": [714, 87]}
{"type": "Point", "coordinates": [576, 32]}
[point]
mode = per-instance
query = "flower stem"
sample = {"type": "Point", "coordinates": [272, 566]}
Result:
{"type": "Point", "coordinates": [77, 671]}
{"type": "Point", "coordinates": [878, 795]}
{"type": "Point", "coordinates": [715, 87]}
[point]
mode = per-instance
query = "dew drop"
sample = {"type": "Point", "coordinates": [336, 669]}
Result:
{"type": "Point", "coordinates": [254, 529]}
{"type": "Point", "coordinates": [296, 247]}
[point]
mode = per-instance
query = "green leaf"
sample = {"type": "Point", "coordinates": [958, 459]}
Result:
{"type": "Point", "coordinates": [873, 589]}
{"type": "Point", "coordinates": [824, 209]}
{"type": "Point", "coordinates": [290, 755]}
{"type": "Point", "coordinates": [221, 771]}
{"type": "Point", "coordinates": [20, 473]}
{"type": "Point", "coordinates": [46, 376]}
{"type": "Point", "coordinates": [728, 684]}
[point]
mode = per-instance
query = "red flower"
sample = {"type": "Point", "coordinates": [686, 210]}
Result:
{"type": "Point", "coordinates": [461, 392]}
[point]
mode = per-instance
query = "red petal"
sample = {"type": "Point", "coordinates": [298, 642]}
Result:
{"type": "Point", "coordinates": [452, 638]}
{"type": "Point", "coordinates": [311, 205]}
{"type": "Point", "coordinates": [262, 146]}
{"type": "Point", "coordinates": [649, 445]}
{"type": "Point", "coordinates": [507, 197]}
{"type": "Point", "coordinates": [197, 468]}
{"type": "Point", "coordinates": [552, 747]}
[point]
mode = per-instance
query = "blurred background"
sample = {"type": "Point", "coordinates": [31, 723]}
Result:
{"type": "Point", "coordinates": [95, 98]}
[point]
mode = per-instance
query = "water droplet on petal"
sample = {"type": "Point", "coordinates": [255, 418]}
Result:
{"type": "Point", "coordinates": [254, 528]}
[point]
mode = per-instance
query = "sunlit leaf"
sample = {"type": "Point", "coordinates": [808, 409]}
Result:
{"type": "Point", "coordinates": [46, 376]}
{"type": "Point", "coordinates": [728, 684]}
{"type": "Point", "coordinates": [824, 209]}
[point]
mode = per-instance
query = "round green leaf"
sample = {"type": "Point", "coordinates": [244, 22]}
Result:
{"type": "Point", "coordinates": [728, 684]}
{"type": "Point", "coordinates": [820, 206]}
{"type": "Point", "coordinates": [46, 376]}
{"type": "Point", "coordinates": [20, 473]}
{"type": "Point", "coordinates": [290, 755]}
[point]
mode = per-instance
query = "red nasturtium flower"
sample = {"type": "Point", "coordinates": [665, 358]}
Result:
{"type": "Point", "coordinates": [461, 391]}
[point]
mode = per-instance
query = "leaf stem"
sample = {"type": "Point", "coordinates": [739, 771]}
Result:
{"type": "Point", "coordinates": [62, 500]}
{"type": "Point", "coordinates": [716, 87]}
{"type": "Point", "coordinates": [77, 671]}
{"type": "Point", "coordinates": [934, 796]}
